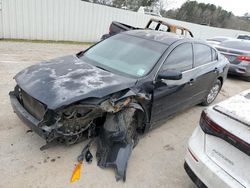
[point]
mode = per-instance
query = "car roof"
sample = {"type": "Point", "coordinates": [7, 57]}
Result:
{"type": "Point", "coordinates": [159, 36]}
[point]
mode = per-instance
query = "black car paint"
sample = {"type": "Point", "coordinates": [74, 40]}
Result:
{"type": "Point", "coordinates": [63, 81]}
{"type": "Point", "coordinates": [156, 99]}
{"type": "Point", "coordinates": [181, 94]}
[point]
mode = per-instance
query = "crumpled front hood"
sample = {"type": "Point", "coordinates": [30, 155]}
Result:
{"type": "Point", "coordinates": [65, 80]}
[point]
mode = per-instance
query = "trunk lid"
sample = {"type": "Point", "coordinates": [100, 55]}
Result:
{"type": "Point", "coordinates": [233, 48]}
{"type": "Point", "coordinates": [231, 54]}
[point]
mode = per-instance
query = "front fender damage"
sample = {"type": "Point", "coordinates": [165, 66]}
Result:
{"type": "Point", "coordinates": [113, 120]}
{"type": "Point", "coordinates": [117, 135]}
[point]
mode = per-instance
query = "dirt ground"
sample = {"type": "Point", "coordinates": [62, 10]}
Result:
{"type": "Point", "coordinates": [157, 161]}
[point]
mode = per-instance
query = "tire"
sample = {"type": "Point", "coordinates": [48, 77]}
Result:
{"type": "Point", "coordinates": [121, 127]}
{"type": "Point", "coordinates": [247, 79]}
{"type": "Point", "coordinates": [212, 94]}
{"type": "Point", "coordinates": [131, 125]}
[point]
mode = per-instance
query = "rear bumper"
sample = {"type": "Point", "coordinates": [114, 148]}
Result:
{"type": "Point", "coordinates": [26, 117]}
{"type": "Point", "coordinates": [193, 177]}
{"type": "Point", "coordinates": [239, 70]}
{"type": "Point", "coordinates": [207, 173]}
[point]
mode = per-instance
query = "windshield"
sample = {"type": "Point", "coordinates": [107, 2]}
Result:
{"type": "Point", "coordinates": [126, 54]}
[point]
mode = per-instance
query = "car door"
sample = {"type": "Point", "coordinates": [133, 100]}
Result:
{"type": "Point", "coordinates": [170, 96]}
{"type": "Point", "coordinates": [205, 70]}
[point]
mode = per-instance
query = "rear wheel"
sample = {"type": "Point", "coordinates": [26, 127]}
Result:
{"type": "Point", "coordinates": [212, 94]}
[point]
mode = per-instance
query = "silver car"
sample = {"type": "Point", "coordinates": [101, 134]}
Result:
{"type": "Point", "coordinates": [238, 53]}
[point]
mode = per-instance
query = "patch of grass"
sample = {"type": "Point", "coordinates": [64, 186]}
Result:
{"type": "Point", "coordinates": [48, 41]}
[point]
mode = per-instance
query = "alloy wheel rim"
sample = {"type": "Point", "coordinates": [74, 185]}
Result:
{"type": "Point", "coordinates": [213, 93]}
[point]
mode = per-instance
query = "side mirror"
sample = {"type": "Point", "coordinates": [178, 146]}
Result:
{"type": "Point", "coordinates": [170, 75]}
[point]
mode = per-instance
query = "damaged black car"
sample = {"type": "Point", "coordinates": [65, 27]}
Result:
{"type": "Point", "coordinates": [116, 89]}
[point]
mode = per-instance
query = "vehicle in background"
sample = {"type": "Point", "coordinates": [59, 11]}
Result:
{"type": "Point", "coordinates": [238, 53]}
{"type": "Point", "coordinates": [128, 83]}
{"type": "Point", "coordinates": [153, 24]}
{"type": "Point", "coordinates": [218, 153]}
{"type": "Point", "coordinates": [243, 37]}
{"type": "Point", "coordinates": [217, 40]}
{"type": "Point", "coordinates": [149, 11]}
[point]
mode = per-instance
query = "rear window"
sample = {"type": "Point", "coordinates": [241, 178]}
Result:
{"type": "Point", "coordinates": [244, 37]}
{"type": "Point", "coordinates": [164, 28]}
{"type": "Point", "coordinates": [202, 54]}
{"type": "Point", "coordinates": [153, 25]}
{"type": "Point", "coordinates": [237, 44]}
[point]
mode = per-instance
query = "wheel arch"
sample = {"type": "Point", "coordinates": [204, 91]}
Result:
{"type": "Point", "coordinates": [221, 79]}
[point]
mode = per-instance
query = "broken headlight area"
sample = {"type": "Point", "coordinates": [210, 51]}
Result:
{"type": "Point", "coordinates": [77, 122]}
{"type": "Point", "coordinates": [82, 120]}
{"type": "Point", "coordinates": [69, 125]}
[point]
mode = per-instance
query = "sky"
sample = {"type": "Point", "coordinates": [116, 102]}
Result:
{"type": "Point", "coordinates": [238, 7]}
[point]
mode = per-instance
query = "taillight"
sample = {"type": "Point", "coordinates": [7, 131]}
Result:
{"type": "Point", "coordinates": [212, 128]}
{"type": "Point", "coordinates": [194, 157]}
{"type": "Point", "coordinates": [243, 58]}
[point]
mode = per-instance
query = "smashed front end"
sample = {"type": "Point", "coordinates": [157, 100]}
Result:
{"type": "Point", "coordinates": [66, 125]}
{"type": "Point", "coordinates": [114, 120]}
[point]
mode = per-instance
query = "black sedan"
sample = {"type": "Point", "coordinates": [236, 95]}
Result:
{"type": "Point", "coordinates": [122, 86]}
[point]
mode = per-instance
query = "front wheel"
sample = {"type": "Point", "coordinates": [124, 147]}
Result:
{"type": "Point", "coordinates": [247, 78]}
{"type": "Point", "coordinates": [212, 94]}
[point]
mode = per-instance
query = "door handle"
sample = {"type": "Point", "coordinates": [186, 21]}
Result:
{"type": "Point", "coordinates": [191, 81]}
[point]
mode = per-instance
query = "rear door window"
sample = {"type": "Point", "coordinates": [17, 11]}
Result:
{"type": "Point", "coordinates": [202, 54]}
{"type": "Point", "coordinates": [181, 58]}
{"type": "Point", "coordinates": [153, 25]}
{"type": "Point", "coordinates": [164, 28]}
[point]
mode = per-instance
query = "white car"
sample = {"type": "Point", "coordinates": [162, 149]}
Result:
{"type": "Point", "coordinates": [218, 153]}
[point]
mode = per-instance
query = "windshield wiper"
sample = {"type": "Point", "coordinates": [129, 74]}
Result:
{"type": "Point", "coordinates": [102, 68]}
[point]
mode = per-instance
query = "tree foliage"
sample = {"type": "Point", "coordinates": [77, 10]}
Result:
{"type": "Point", "coordinates": [207, 14]}
{"type": "Point", "coordinates": [190, 11]}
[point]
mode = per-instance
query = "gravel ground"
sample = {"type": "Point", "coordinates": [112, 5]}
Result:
{"type": "Point", "coordinates": [157, 161]}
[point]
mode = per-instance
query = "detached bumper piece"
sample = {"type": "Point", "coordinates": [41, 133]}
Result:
{"type": "Point", "coordinates": [115, 142]}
